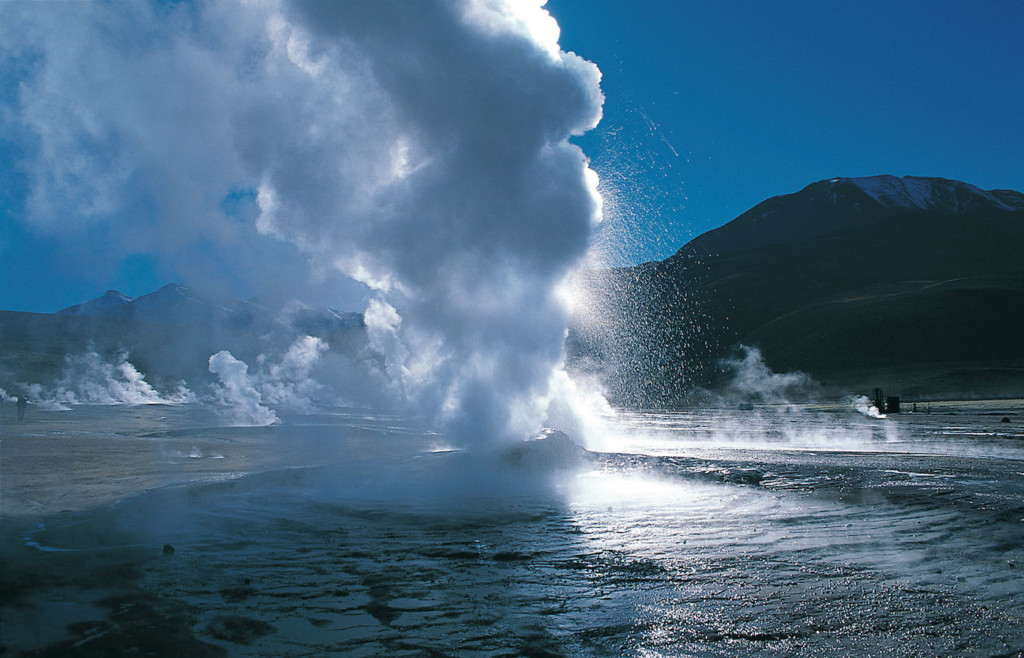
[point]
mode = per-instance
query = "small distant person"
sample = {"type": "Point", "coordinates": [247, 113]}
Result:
{"type": "Point", "coordinates": [22, 404]}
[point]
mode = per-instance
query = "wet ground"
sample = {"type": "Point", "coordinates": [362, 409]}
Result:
{"type": "Point", "coordinates": [781, 531]}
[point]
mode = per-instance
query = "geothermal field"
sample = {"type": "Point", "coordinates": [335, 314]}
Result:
{"type": "Point", "coordinates": [772, 531]}
{"type": "Point", "coordinates": [447, 372]}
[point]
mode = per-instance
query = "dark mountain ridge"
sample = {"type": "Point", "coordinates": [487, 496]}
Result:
{"type": "Point", "coordinates": [913, 283]}
{"type": "Point", "coordinates": [855, 206]}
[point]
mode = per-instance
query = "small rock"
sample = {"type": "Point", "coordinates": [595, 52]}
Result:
{"type": "Point", "coordinates": [551, 449]}
{"type": "Point", "coordinates": [238, 630]}
{"type": "Point", "coordinates": [168, 549]}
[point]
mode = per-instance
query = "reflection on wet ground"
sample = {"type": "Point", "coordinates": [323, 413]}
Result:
{"type": "Point", "coordinates": [359, 539]}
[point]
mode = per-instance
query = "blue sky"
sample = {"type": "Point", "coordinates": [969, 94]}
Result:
{"type": "Point", "coordinates": [710, 108]}
{"type": "Point", "coordinates": [723, 104]}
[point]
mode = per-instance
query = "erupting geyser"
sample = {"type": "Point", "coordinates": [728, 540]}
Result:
{"type": "Point", "coordinates": [420, 148]}
{"type": "Point", "coordinates": [446, 183]}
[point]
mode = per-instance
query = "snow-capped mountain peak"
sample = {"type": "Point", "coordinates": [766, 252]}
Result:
{"type": "Point", "coordinates": [847, 206]}
{"type": "Point", "coordinates": [931, 193]}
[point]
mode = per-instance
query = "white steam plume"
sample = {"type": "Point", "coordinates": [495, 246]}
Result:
{"type": "Point", "coordinates": [751, 380]}
{"type": "Point", "coordinates": [863, 405]}
{"type": "Point", "coordinates": [419, 147]}
{"type": "Point", "coordinates": [290, 381]}
{"type": "Point", "coordinates": [464, 206]}
{"type": "Point", "coordinates": [88, 378]}
{"type": "Point", "coordinates": [237, 394]}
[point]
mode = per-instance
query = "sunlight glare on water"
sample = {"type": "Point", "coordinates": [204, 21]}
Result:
{"type": "Point", "coordinates": [347, 533]}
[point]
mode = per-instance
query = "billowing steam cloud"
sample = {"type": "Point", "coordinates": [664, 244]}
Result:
{"type": "Point", "coordinates": [249, 398]}
{"type": "Point", "coordinates": [88, 378]}
{"type": "Point", "coordinates": [462, 203]}
{"type": "Point", "coordinates": [290, 381]}
{"type": "Point", "coordinates": [245, 397]}
{"type": "Point", "coordinates": [237, 393]}
{"type": "Point", "coordinates": [751, 380]}
{"type": "Point", "coordinates": [420, 148]}
{"type": "Point", "coordinates": [863, 405]}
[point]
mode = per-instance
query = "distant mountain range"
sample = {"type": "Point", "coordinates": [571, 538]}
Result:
{"type": "Point", "coordinates": [170, 334]}
{"type": "Point", "coordinates": [912, 284]}
{"type": "Point", "coordinates": [175, 304]}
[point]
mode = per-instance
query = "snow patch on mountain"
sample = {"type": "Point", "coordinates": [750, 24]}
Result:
{"type": "Point", "coordinates": [112, 303]}
{"type": "Point", "coordinates": [893, 191]}
{"type": "Point", "coordinates": [931, 193]}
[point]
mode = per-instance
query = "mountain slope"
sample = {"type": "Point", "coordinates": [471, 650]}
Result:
{"type": "Point", "coordinates": [853, 206]}
{"type": "Point", "coordinates": [850, 280]}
